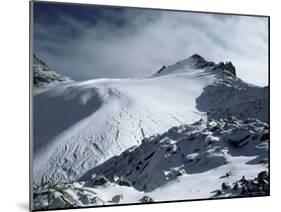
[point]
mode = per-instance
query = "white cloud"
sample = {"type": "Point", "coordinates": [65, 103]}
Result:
{"type": "Point", "coordinates": [150, 41]}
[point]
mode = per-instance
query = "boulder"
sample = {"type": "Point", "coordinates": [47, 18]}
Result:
{"type": "Point", "coordinates": [265, 136]}
{"type": "Point", "coordinates": [180, 172]}
{"type": "Point", "coordinates": [85, 199]}
{"type": "Point", "coordinates": [117, 198]}
{"type": "Point", "coordinates": [225, 186]}
{"type": "Point", "coordinates": [124, 182]}
{"type": "Point", "coordinates": [146, 199]}
{"type": "Point", "coordinates": [97, 201]}
{"type": "Point", "coordinates": [99, 180]}
{"type": "Point", "coordinates": [58, 202]}
{"type": "Point", "coordinates": [263, 177]}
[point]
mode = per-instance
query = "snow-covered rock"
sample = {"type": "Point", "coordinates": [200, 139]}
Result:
{"type": "Point", "coordinates": [44, 76]}
{"type": "Point", "coordinates": [258, 186]}
{"type": "Point", "coordinates": [189, 150]}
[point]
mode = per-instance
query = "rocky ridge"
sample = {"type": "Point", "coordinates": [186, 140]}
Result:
{"type": "Point", "coordinates": [44, 76]}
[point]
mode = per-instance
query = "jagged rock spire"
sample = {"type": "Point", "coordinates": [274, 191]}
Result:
{"type": "Point", "coordinates": [230, 67]}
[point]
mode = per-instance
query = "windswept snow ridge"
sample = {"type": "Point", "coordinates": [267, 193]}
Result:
{"type": "Point", "coordinates": [187, 122]}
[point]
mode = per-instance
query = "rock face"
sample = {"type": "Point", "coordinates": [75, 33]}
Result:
{"type": "Point", "coordinates": [230, 67]}
{"type": "Point", "coordinates": [44, 76]}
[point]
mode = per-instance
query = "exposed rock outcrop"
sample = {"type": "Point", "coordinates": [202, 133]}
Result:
{"type": "Point", "coordinates": [44, 76]}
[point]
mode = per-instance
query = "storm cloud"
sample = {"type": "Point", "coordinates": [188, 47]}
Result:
{"type": "Point", "coordinates": [102, 42]}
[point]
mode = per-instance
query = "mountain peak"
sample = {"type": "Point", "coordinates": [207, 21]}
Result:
{"type": "Point", "coordinates": [197, 62]}
{"type": "Point", "coordinates": [197, 57]}
{"type": "Point", "coordinates": [193, 62]}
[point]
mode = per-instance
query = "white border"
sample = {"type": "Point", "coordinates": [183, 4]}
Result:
{"type": "Point", "coordinates": [14, 110]}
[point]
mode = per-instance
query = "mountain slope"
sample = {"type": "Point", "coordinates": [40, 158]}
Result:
{"type": "Point", "coordinates": [214, 146]}
{"type": "Point", "coordinates": [207, 159]}
{"type": "Point", "coordinates": [80, 125]}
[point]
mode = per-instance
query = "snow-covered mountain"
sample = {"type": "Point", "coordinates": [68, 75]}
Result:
{"type": "Point", "coordinates": [190, 120]}
{"type": "Point", "coordinates": [44, 76]}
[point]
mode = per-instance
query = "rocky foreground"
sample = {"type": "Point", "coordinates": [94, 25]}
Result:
{"type": "Point", "coordinates": [78, 194]}
{"type": "Point", "coordinates": [172, 160]}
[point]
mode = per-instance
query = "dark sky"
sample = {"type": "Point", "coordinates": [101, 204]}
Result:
{"type": "Point", "coordinates": [51, 14]}
{"type": "Point", "coordinates": [90, 41]}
